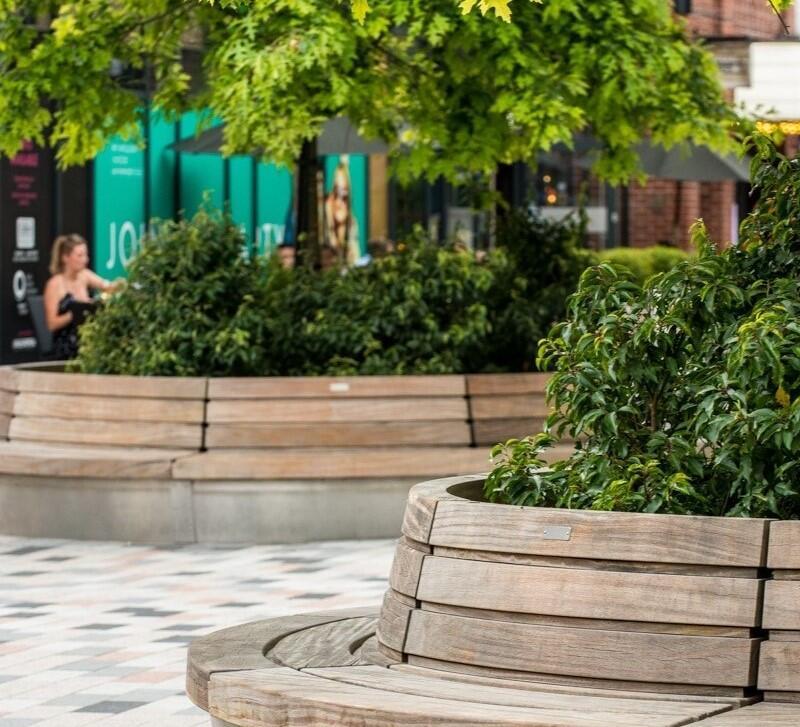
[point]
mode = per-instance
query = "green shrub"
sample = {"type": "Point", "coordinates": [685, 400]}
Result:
{"type": "Point", "coordinates": [686, 393]}
{"type": "Point", "coordinates": [191, 307]}
{"type": "Point", "coordinates": [194, 306]}
{"type": "Point", "coordinates": [644, 262]}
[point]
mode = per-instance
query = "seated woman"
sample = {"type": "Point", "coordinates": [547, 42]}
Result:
{"type": "Point", "coordinates": [67, 296]}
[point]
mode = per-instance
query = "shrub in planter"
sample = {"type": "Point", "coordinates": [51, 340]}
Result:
{"type": "Point", "coordinates": [191, 307]}
{"type": "Point", "coordinates": [684, 392]}
{"type": "Point", "coordinates": [644, 262]}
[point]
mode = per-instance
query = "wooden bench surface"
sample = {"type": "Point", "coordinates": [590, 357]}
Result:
{"type": "Point", "coordinates": [33, 458]}
{"type": "Point", "coordinates": [315, 670]}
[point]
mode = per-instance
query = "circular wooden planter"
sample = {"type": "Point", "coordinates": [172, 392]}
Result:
{"type": "Point", "coordinates": [620, 600]}
{"type": "Point", "coordinates": [501, 615]}
{"type": "Point", "coordinates": [171, 460]}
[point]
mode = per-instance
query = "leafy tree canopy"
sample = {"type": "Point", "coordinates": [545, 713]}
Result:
{"type": "Point", "coordinates": [452, 92]}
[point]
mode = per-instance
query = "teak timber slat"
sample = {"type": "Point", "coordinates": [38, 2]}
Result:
{"type": "Point", "coordinates": [507, 407]}
{"type": "Point", "coordinates": [111, 408]}
{"type": "Point", "coordinates": [421, 504]}
{"type": "Point", "coordinates": [414, 685]}
{"type": "Point", "coordinates": [8, 378]}
{"type": "Point", "coordinates": [337, 410]}
{"type": "Point", "coordinates": [7, 402]}
{"type": "Point", "coordinates": [782, 605]}
{"type": "Point", "coordinates": [491, 431]}
{"type": "Point", "coordinates": [784, 545]}
{"type": "Point", "coordinates": [590, 623]}
{"type": "Point", "coordinates": [601, 535]}
{"type": "Point", "coordinates": [590, 594]}
{"type": "Point", "coordinates": [518, 680]}
{"type": "Point", "coordinates": [371, 652]}
{"type": "Point", "coordinates": [766, 714]}
{"type": "Point", "coordinates": [585, 685]}
{"type": "Point", "coordinates": [5, 421]}
{"type": "Point", "coordinates": [332, 644]}
{"type": "Point", "coordinates": [91, 431]}
{"type": "Point", "coordinates": [406, 567]}
{"type": "Point", "coordinates": [343, 387]}
{"type": "Point", "coordinates": [393, 622]}
{"type": "Point", "coordinates": [234, 464]}
{"type": "Point", "coordinates": [625, 566]}
{"type": "Point", "coordinates": [242, 647]}
{"type": "Point", "coordinates": [784, 635]}
{"type": "Point", "coordinates": [786, 697]}
{"type": "Point", "coordinates": [155, 387]}
{"type": "Point", "coordinates": [33, 458]}
{"type": "Point", "coordinates": [343, 434]}
{"type": "Point", "coordinates": [287, 698]}
{"type": "Point", "coordinates": [624, 656]}
{"type": "Point", "coordinates": [779, 666]}
{"type": "Point", "coordinates": [503, 384]}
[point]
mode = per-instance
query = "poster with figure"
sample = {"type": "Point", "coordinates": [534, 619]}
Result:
{"type": "Point", "coordinates": [26, 204]}
{"type": "Point", "coordinates": [344, 218]}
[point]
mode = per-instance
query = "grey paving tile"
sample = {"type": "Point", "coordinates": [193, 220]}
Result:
{"type": "Point", "coordinates": [110, 707]}
{"type": "Point", "coordinates": [27, 550]}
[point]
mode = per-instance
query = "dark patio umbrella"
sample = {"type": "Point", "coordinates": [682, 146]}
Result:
{"type": "Point", "coordinates": [338, 136]}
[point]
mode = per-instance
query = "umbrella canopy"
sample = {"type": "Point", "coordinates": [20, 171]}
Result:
{"type": "Point", "coordinates": [338, 136]}
{"type": "Point", "coordinates": [692, 163]}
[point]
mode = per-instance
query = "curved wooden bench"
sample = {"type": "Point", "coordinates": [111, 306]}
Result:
{"type": "Point", "coordinates": [499, 615]}
{"type": "Point", "coordinates": [213, 459]}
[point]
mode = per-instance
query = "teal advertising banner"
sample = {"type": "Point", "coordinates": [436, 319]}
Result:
{"type": "Point", "coordinates": [119, 207]}
{"type": "Point", "coordinates": [201, 175]}
{"type": "Point", "coordinates": [273, 208]}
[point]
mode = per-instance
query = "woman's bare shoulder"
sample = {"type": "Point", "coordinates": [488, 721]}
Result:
{"type": "Point", "coordinates": [54, 282]}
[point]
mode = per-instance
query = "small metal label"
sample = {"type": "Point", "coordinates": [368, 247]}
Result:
{"type": "Point", "coordinates": [339, 387]}
{"type": "Point", "coordinates": [557, 532]}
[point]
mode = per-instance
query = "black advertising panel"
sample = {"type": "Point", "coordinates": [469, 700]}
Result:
{"type": "Point", "coordinates": [26, 203]}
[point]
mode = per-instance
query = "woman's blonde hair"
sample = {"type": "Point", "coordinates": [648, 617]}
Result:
{"type": "Point", "coordinates": [63, 245]}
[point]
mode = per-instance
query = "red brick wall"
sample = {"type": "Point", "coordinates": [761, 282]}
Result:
{"type": "Point", "coordinates": [720, 18]}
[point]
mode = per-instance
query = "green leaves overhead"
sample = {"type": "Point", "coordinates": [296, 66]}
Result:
{"type": "Point", "coordinates": [685, 393]}
{"type": "Point", "coordinates": [452, 93]}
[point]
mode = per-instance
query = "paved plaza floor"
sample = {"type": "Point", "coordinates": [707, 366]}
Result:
{"type": "Point", "coordinates": [96, 633]}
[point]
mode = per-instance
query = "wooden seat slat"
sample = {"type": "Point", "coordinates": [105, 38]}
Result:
{"type": "Point", "coordinates": [7, 402]}
{"type": "Point", "coordinates": [505, 384]}
{"type": "Point", "coordinates": [166, 387]}
{"type": "Point", "coordinates": [343, 434]}
{"type": "Point", "coordinates": [508, 407]}
{"type": "Point", "coordinates": [580, 593]}
{"type": "Point", "coordinates": [784, 545]}
{"type": "Point", "coordinates": [331, 644]}
{"type": "Point", "coordinates": [29, 458]}
{"type": "Point", "coordinates": [414, 684]}
{"type": "Point", "coordinates": [615, 655]}
{"type": "Point", "coordinates": [523, 682]}
{"type": "Point", "coordinates": [766, 714]}
{"type": "Point", "coordinates": [782, 605]}
{"type": "Point", "coordinates": [5, 422]}
{"type": "Point", "coordinates": [111, 408]}
{"type": "Point", "coordinates": [489, 432]}
{"type": "Point", "coordinates": [241, 464]}
{"type": "Point", "coordinates": [779, 666]}
{"type": "Point", "coordinates": [601, 535]}
{"type": "Point", "coordinates": [337, 410]}
{"type": "Point", "coordinates": [113, 433]}
{"type": "Point", "coordinates": [242, 647]}
{"type": "Point", "coordinates": [335, 387]}
{"type": "Point", "coordinates": [298, 699]}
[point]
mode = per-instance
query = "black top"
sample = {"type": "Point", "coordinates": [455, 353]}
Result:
{"type": "Point", "coordinates": [65, 340]}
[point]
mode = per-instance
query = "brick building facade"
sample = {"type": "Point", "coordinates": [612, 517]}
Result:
{"type": "Point", "coordinates": [662, 211]}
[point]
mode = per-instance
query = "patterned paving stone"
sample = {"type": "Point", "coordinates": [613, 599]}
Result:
{"type": "Point", "coordinates": [96, 633]}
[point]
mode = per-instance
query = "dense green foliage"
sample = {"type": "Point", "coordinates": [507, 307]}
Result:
{"type": "Point", "coordinates": [685, 393]}
{"type": "Point", "coordinates": [450, 92]}
{"type": "Point", "coordinates": [643, 262]}
{"type": "Point", "coordinates": [194, 305]}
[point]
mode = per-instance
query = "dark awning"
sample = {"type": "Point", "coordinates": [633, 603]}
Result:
{"type": "Point", "coordinates": [692, 163]}
{"type": "Point", "coordinates": [338, 136]}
